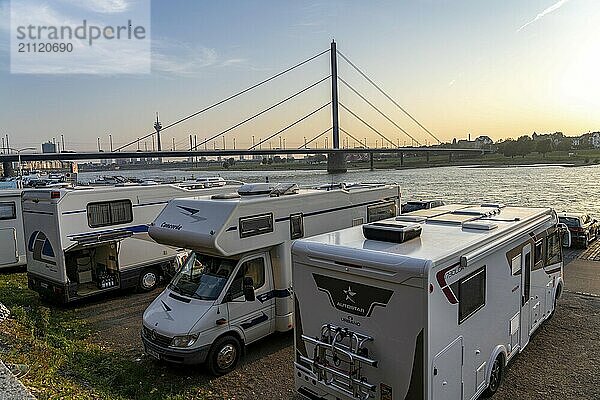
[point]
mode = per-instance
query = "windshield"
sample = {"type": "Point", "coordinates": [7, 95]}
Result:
{"type": "Point", "coordinates": [202, 277]}
{"type": "Point", "coordinates": [570, 221]}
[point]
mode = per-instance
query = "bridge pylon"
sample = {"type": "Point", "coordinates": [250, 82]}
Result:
{"type": "Point", "coordinates": [336, 162]}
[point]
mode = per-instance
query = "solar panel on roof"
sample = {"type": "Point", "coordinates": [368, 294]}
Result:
{"type": "Point", "coordinates": [452, 218]}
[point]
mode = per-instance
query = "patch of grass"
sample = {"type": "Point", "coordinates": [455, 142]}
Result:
{"type": "Point", "coordinates": [64, 361]}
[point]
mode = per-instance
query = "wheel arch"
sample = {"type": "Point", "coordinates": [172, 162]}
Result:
{"type": "Point", "coordinates": [559, 288]}
{"type": "Point", "coordinates": [236, 333]}
{"type": "Point", "coordinates": [499, 350]}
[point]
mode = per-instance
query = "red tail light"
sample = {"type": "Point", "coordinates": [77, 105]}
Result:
{"type": "Point", "coordinates": [54, 194]}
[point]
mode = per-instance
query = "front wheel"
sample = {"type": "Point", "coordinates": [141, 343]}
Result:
{"type": "Point", "coordinates": [495, 377]}
{"type": "Point", "coordinates": [224, 355]}
{"type": "Point", "coordinates": [149, 279]}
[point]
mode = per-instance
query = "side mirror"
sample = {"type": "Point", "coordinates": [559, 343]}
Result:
{"type": "Point", "coordinates": [249, 289]}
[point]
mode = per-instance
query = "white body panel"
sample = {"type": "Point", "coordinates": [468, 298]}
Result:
{"type": "Point", "coordinates": [64, 224]}
{"type": "Point", "coordinates": [12, 242]}
{"type": "Point", "coordinates": [424, 347]}
{"type": "Point", "coordinates": [214, 227]}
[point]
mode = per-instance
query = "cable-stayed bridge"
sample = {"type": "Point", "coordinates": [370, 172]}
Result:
{"type": "Point", "coordinates": [390, 138]}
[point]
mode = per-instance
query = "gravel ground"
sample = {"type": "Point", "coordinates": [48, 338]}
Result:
{"type": "Point", "coordinates": [10, 387]}
{"type": "Point", "coordinates": [561, 361]}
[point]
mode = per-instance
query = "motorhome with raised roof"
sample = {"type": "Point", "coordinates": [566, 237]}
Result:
{"type": "Point", "coordinates": [12, 242]}
{"type": "Point", "coordinates": [429, 305]}
{"type": "Point", "coordinates": [84, 241]}
{"type": "Point", "coordinates": [236, 286]}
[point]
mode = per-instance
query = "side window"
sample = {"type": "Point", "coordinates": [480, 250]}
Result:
{"type": "Point", "coordinates": [553, 250]}
{"type": "Point", "coordinates": [8, 210]}
{"type": "Point", "coordinates": [296, 226]}
{"type": "Point", "coordinates": [256, 225]}
{"type": "Point", "coordinates": [109, 213]}
{"type": "Point", "coordinates": [381, 211]}
{"type": "Point", "coordinates": [471, 294]}
{"type": "Point", "coordinates": [254, 268]}
{"type": "Point", "coordinates": [538, 254]}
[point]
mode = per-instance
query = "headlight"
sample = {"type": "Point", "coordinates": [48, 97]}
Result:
{"type": "Point", "coordinates": [184, 341]}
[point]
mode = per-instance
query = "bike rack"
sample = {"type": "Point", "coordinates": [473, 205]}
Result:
{"type": "Point", "coordinates": [338, 346]}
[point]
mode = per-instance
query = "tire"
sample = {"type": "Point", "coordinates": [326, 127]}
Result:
{"type": "Point", "coordinates": [149, 279]}
{"type": "Point", "coordinates": [495, 377]}
{"type": "Point", "coordinates": [556, 296]}
{"type": "Point", "coordinates": [586, 241]}
{"type": "Point", "coordinates": [224, 355]}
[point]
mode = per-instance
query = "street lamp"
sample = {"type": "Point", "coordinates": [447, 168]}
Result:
{"type": "Point", "coordinates": [18, 151]}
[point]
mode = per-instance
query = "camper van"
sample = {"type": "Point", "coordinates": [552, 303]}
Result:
{"type": "Point", "coordinates": [85, 241]}
{"type": "Point", "coordinates": [235, 288]}
{"type": "Point", "coordinates": [427, 306]}
{"type": "Point", "coordinates": [12, 242]}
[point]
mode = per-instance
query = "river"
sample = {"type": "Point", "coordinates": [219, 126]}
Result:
{"type": "Point", "coordinates": [560, 187]}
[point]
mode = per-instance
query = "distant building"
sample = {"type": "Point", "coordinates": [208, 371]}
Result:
{"type": "Point", "coordinates": [48, 147]}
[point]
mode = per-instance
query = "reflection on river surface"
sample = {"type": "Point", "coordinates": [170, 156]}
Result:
{"type": "Point", "coordinates": [564, 188]}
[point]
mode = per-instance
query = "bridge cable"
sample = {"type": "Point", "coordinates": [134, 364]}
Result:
{"type": "Point", "coordinates": [260, 113]}
{"type": "Point", "coordinates": [386, 95]}
{"type": "Point", "coordinates": [229, 98]}
{"type": "Point", "coordinates": [376, 109]}
{"type": "Point", "coordinates": [359, 142]}
{"type": "Point", "coordinates": [367, 124]}
{"type": "Point", "coordinates": [315, 138]}
{"type": "Point", "coordinates": [290, 125]}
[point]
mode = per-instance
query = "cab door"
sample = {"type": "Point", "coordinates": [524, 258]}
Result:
{"type": "Point", "coordinates": [525, 296]}
{"type": "Point", "coordinates": [254, 318]}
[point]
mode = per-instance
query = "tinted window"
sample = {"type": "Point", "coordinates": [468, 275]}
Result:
{"type": "Point", "coordinates": [256, 225]}
{"type": "Point", "coordinates": [538, 252]}
{"type": "Point", "coordinates": [471, 294]}
{"type": "Point", "coordinates": [109, 213]}
{"type": "Point", "coordinates": [381, 211]}
{"type": "Point", "coordinates": [8, 210]}
{"type": "Point", "coordinates": [553, 249]}
{"type": "Point", "coordinates": [570, 222]}
{"type": "Point", "coordinates": [296, 226]}
{"type": "Point", "coordinates": [254, 269]}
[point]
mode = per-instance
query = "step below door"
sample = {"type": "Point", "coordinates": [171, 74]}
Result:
{"type": "Point", "coordinates": [447, 372]}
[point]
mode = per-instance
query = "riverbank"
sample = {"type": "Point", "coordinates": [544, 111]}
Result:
{"type": "Point", "coordinates": [573, 159]}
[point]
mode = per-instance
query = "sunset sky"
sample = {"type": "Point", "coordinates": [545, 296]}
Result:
{"type": "Point", "coordinates": [498, 68]}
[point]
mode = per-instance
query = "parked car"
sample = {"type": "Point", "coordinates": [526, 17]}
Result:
{"type": "Point", "coordinates": [583, 228]}
{"type": "Point", "coordinates": [421, 205]}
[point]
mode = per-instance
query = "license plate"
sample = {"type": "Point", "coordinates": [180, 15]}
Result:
{"type": "Point", "coordinates": [153, 353]}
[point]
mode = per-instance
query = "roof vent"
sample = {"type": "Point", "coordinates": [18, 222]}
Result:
{"type": "Point", "coordinates": [225, 196]}
{"type": "Point", "coordinates": [479, 225]}
{"type": "Point", "coordinates": [391, 231]}
{"type": "Point", "coordinates": [283, 189]}
{"type": "Point", "coordinates": [495, 205]}
{"type": "Point", "coordinates": [411, 218]}
{"type": "Point", "coordinates": [256, 189]}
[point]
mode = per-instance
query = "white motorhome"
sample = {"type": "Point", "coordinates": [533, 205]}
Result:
{"type": "Point", "coordinates": [84, 241]}
{"type": "Point", "coordinates": [12, 242]}
{"type": "Point", "coordinates": [236, 286]}
{"type": "Point", "coordinates": [429, 305]}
